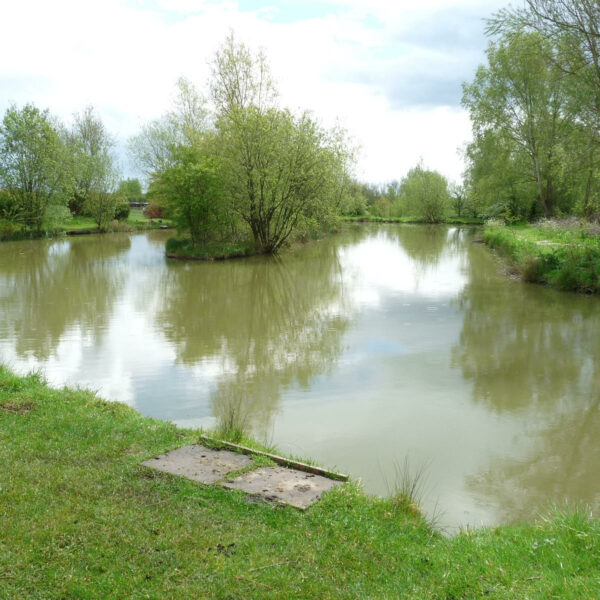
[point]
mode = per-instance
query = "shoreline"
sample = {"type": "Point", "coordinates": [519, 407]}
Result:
{"type": "Point", "coordinates": [82, 518]}
{"type": "Point", "coordinates": [561, 257]}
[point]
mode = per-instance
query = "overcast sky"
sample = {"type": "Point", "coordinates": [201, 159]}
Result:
{"type": "Point", "coordinates": [389, 71]}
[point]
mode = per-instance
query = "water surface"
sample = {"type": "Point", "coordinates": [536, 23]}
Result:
{"type": "Point", "coordinates": [361, 350]}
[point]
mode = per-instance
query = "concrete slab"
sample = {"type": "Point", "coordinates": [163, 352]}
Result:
{"type": "Point", "coordinates": [286, 486]}
{"type": "Point", "coordinates": [199, 463]}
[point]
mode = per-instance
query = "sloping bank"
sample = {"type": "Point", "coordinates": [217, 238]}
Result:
{"type": "Point", "coordinates": [80, 518]}
{"type": "Point", "coordinates": [566, 256]}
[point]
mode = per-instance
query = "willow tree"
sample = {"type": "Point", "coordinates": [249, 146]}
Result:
{"type": "Point", "coordinates": [280, 169]}
{"type": "Point", "coordinates": [192, 192]}
{"type": "Point", "coordinates": [32, 156]}
{"type": "Point", "coordinates": [156, 147]}
{"type": "Point", "coordinates": [425, 194]}
{"type": "Point", "coordinates": [93, 165]}
{"type": "Point", "coordinates": [570, 30]}
{"type": "Point", "coordinates": [520, 98]}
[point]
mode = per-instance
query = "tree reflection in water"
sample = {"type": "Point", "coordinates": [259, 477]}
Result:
{"type": "Point", "coordinates": [533, 354]}
{"type": "Point", "coordinates": [50, 287]}
{"type": "Point", "coordinates": [267, 322]}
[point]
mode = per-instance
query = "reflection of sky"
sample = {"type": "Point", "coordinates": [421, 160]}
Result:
{"type": "Point", "coordinates": [394, 385]}
{"type": "Point", "coordinates": [377, 268]}
{"type": "Point", "coordinates": [392, 394]}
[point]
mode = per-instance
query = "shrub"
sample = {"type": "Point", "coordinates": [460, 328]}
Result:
{"type": "Point", "coordinates": [122, 210]}
{"type": "Point", "coordinates": [10, 230]}
{"type": "Point", "coordinates": [154, 210]}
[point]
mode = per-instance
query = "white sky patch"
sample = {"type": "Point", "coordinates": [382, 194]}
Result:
{"type": "Point", "coordinates": [369, 279]}
{"type": "Point", "coordinates": [390, 72]}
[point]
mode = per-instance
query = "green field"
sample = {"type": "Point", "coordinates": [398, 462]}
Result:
{"type": "Point", "coordinates": [135, 221]}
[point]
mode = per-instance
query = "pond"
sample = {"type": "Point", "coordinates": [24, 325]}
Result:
{"type": "Point", "coordinates": [380, 347]}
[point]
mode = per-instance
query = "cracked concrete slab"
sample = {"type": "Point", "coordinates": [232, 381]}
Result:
{"type": "Point", "coordinates": [279, 484]}
{"type": "Point", "coordinates": [199, 463]}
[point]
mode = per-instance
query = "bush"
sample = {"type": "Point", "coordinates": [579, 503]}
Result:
{"type": "Point", "coordinates": [122, 210]}
{"type": "Point", "coordinates": [154, 210]}
{"type": "Point", "coordinates": [55, 218]}
{"type": "Point", "coordinates": [580, 271]}
{"type": "Point", "coordinates": [9, 206]}
{"type": "Point", "coordinates": [10, 230]}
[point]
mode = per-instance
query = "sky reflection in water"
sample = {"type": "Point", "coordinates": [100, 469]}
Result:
{"type": "Point", "coordinates": [357, 351]}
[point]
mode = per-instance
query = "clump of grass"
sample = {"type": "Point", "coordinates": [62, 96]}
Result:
{"type": "Point", "coordinates": [408, 488]}
{"type": "Point", "coordinates": [232, 419]}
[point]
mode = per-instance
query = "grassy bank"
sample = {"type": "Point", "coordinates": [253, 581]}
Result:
{"type": "Point", "coordinates": [136, 221]}
{"type": "Point", "coordinates": [561, 254]}
{"type": "Point", "coordinates": [183, 249]}
{"type": "Point", "coordinates": [416, 220]}
{"type": "Point", "coordinates": [80, 518]}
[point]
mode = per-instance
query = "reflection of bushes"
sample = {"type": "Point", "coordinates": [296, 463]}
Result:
{"type": "Point", "coordinates": [265, 319]}
{"type": "Point", "coordinates": [522, 345]}
{"type": "Point", "coordinates": [41, 309]}
{"type": "Point", "coordinates": [183, 248]}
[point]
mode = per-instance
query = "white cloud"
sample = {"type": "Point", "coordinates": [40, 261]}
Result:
{"type": "Point", "coordinates": [388, 70]}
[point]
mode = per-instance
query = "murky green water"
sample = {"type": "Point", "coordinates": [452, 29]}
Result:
{"type": "Point", "coordinates": [358, 351]}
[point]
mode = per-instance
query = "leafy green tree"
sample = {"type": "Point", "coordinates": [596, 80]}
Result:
{"type": "Point", "coordinates": [101, 206]}
{"type": "Point", "coordinates": [92, 163]}
{"type": "Point", "coordinates": [458, 200]}
{"type": "Point", "coordinates": [425, 194]}
{"type": "Point", "coordinates": [241, 79]}
{"type": "Point", "coordinates": [520, 97]}
{"type": "Point", "coordinates": [280, 169]}
{"type": "Point", "coordinates": [31, 164]}
{"type": "Point", "coordinates": [573, 26]}
{"type": "Point", "coordinates": [498, 183]}
{"type": "Point", "coordinates": [355, 201]}
{"type": "Point", "coordinates": [192, 191]}
{"type": "Point", "coordinates": [154, 148]}
{"type": "Point", "coordinates": [131, 189]}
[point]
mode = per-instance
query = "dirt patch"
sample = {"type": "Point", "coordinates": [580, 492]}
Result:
{"type": "Point", "coordinates": [19, 408]}
{"type": "Point", "coordinates": [286, 486]}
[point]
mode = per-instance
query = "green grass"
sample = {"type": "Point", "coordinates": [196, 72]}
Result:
{"type": "Point", "coordinates": [564, 255]}
{"type": "Point", "coordinates": [182, 248]}
{"type": "Point", "coordinates": [135, 221]}
{"type": "Point", "coordinates": [80, 518]}
{"type": "Point", "coordinates": [454, 220]}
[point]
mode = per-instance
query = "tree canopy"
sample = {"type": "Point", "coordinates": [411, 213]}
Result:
{"type": "Point", "coordinates": [535, 109]}
{"type": "Point", "coordinates": [278, 171]}
{"type": "Point", "coordinates": [31, 159]}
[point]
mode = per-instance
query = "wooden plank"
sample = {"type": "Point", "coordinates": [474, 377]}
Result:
{"type": "Point", "coordinates": [280, 460]}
